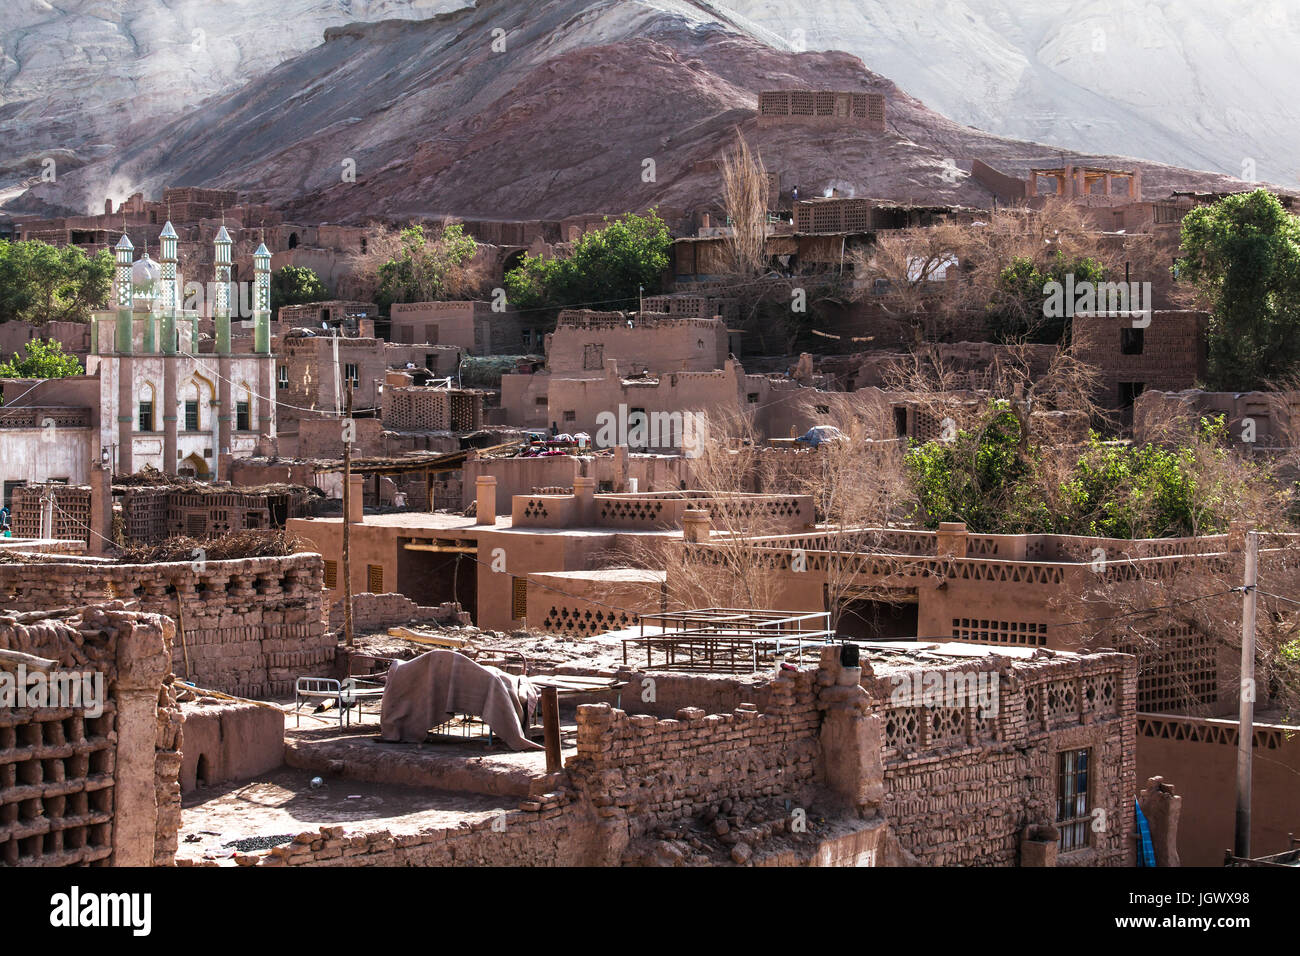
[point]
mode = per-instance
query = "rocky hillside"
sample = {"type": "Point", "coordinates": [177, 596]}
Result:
{"type": "Point", "coordinates": [1200, 83]}
{"type": "Point", "coordinates": [545, 109]}
{"type": "Point", "coordinates": [75, 74]}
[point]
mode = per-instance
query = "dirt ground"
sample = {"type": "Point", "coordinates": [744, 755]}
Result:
{"type": "Point", "coordinates": [284, 803]}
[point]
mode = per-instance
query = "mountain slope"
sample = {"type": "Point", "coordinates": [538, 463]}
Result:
{"type": "Point", "coordinates": [1200, 83]}
{"type": "Point", "coordinates": [561, 121]}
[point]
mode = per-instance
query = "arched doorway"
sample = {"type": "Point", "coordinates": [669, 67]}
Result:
{"type": "Point", "coordinates": [194, 465]}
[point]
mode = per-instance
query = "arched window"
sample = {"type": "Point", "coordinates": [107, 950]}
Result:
{"type": "Point", "coordinates": [145, 409]}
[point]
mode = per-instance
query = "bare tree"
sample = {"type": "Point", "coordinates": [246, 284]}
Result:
{"type": "Point", "coordinates": [745, 197]}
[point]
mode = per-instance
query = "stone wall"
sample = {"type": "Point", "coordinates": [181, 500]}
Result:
{"type": "Point", "coordinates": [247, 627]}
{"type": "Point", "coordinates": [92, 784]}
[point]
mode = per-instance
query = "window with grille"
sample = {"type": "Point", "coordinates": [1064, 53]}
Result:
{"type": "Point", "coordinates": [243, 420]}
{"type": "Point", "coordinates": [282, 376]}
{"type": "Point", "coordinates": [375, 578]}
{"type": "Point", "coordinates": [350, 375]}
{"type": "Point", "coordinates": [331, 574]}
{"type": "Point", "coordinates": [519, 599]}
{"type": "Point", "coordinates": [191, 416]}
{"type": "Point", "coordinates": [1073, 810]}
{"type": "Point", "coordinates": [146, 416]}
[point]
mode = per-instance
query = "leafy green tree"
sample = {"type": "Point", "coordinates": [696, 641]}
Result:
{"type": "Point", "coordinates": [43, 360]}
{"type": "Point", "coordinates": [1017, 310]}
{"type": "Point", "coordinates": [425, 267]}
{"type": "Point", "coordinates": [987, 479]}
{"type": "Point", "coordinates": [41, 283]}
{"type": "Point", "coordinates": [296, 285]}
{"type": "Point", "coordinates": [606, 270]}
{"type": "Point", "coordinates": [1243, 255]}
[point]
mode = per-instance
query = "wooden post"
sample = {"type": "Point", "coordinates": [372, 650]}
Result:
{"type": "Point", "coordinates": [551, 728]}
{"type": "Point", "coordinates": [1246, 714]}
{"type": "Point", "coordinates": [348, 636]}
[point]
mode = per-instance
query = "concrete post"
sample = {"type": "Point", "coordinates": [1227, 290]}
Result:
{"type": "Point", "coordinates": [485, 509]}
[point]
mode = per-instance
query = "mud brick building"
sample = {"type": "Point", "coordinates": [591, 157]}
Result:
{"type": "Point", "coordinates": [81, 789]}
{"type": "Point", "coordinates": [247, 627]}
{"type": "Point", "coordinates": [1025, 591]}
{"type": "Point", "coordinates": [826, 765]}
{"type": "Point", "coordinates": [1166, 355]}
{"type": "Point", "coordinates": [473, 327]}
{"type": "Point", "coordinates": [314, 371]}
{"type": "Point", "coordinates": [821, 108]}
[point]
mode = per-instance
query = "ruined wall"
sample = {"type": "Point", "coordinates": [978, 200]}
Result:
{"type": "Point", "coordinates": [378, 612]}
{"type": "Point", "coordinates": [247, 627]}
{"type": "Point", "coordinates": [78, 788]}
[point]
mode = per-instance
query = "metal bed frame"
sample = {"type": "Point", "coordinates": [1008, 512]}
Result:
{"type": "Point", "coordinates": [729, 640]}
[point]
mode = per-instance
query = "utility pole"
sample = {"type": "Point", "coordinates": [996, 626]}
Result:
{"type": "Point", "coordinates": [1246, 716]}
{"type": "Point", "coordinates": [347, 522]}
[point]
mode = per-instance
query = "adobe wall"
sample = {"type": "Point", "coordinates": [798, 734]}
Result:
{"type": "Point", "coordinates": [1199, 756]}
{"type": "Point", "coordinates": [229, 740]}
{"type": "Point", "coordinates": [431, 409]}
{"type": "Point", "coordinates": [77, 789]}
{"type": "Point", "coordinates": [251, 626]}
{"type": "Point", "coordinates": [72, 518]}
{"type": "Point", "coordinates": [639, 787]}
{"type": "Point", "coordinates": [583, 603]}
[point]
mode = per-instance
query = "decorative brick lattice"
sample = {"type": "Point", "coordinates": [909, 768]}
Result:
{"type": "Point", "coordinates": [56, 787]}
{"type": "Point", "coordinates": [585, 622]}
{"type": "Point", "coordinates": [1021, 633]}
